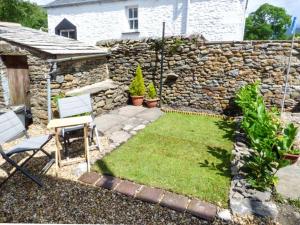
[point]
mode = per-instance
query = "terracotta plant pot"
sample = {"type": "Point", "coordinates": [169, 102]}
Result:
{"type": "Point", "coordinates": [151, 103]}
{"type": "Point", "coordinates": [137, 100]}
{"type": "Point", "coordinates": [291, 157]}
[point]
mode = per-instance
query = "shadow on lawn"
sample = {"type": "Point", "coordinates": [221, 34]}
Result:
{"type": "Point", "coordinates": [228, 126]}
{"type": "Point", "coordinates": [223, 167]}
{"type": "Point", "coordinates": [102, 167]}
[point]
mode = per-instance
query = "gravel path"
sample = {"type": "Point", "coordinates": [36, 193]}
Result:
{"type": "Point", "coordinates": [65, 201]}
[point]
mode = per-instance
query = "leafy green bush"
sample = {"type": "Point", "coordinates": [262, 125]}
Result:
{"type": "Point", "coordinates": [151, 91]}
{"type": "Point", "coordinates": [137, 86]}
{"type": "Point", "coordinates": [267, 136]}
{"type": "Point", "coordinates": [58, 96]}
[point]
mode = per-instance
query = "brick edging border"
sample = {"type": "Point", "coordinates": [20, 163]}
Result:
{"type": "Point", "coordinates": [168, 110]}
{"type": "Point", "coordinates": [145, 193]}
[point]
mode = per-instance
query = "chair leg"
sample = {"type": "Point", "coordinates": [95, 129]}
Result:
{"type": "Point", "coordinates": [46, 153]}
{"type": "Point", "coordinates": [97, 138]}
{"type": "Point", "coordinates": [92, 135]}
{"type": "Point", "coordinates": [66, 150]}
{"type": "Point", "coordinates": [22, 170]}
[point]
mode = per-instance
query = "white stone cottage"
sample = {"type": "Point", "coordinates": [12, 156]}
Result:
{"type": "Point", "coordinates": [95, 20]}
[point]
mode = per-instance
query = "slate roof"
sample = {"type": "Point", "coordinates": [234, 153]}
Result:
{"type": "Point", "coordinates": [61, 3]}
{"type": "Point", "coordinates": [44, 42]}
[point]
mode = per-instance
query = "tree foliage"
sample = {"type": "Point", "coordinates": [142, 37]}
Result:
{"type": "Point", "coordinates": [267, 22]}
{"type": "Point", "coordinates": [23, 12]}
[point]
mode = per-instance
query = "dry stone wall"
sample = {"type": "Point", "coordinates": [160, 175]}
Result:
{"type": "Point", "coordinates": [209, 73]}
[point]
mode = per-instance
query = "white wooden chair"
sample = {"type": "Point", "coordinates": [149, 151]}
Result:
{"type": "Point", "coordinates": [74, 106]}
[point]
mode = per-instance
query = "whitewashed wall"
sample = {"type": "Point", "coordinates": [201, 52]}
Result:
{"type": "Point", "coordinates": [217, 20]}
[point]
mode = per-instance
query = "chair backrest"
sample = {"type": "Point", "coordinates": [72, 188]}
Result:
{"type": "Point", "coordinates": [10, 127]}
{"type": "Point", "coordinates": [72, 106]}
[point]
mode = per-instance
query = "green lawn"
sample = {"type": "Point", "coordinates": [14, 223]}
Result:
{"type": "Point", "coordinates": [186, 154]}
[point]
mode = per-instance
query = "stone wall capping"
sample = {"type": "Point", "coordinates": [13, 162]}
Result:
{"type": "Point", "coordinates": [93, 88]}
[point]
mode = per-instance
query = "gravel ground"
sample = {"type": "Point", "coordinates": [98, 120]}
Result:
{"type": "Point", "coordinates": [288, 214]}
{"type": "Point", "coordinates": [64, 200]}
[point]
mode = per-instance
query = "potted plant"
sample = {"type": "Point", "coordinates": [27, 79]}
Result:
{"type": "Point", "coordinates": [292, 155]}
{"type": "Point", "coordinates": [151, 100]}
{"type": "Point", "coordinates": [137, 88]}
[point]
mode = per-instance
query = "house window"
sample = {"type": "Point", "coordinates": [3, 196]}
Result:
{"type": "Point", "coordinates": [133, 18]}
{"type": "Point", "coordinates": [69, 33]}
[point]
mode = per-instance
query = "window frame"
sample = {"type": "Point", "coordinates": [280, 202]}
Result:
{"type": "Point", "coordinates": [134, 19]}
{"type": "Point", "coordinates": [66, 31]}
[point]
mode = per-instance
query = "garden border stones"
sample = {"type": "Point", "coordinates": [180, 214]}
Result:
{"type": "Point", "coordinates": [159, 196]}
{"type": "Point", "coordinates": [245, 200]}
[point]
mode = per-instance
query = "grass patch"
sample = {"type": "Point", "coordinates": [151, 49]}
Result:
{"type": "Point", "coordinates": [186, 154]}
{"type": "Point", "coordinates": [280, 199]}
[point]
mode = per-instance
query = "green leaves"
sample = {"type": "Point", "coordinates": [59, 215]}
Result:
{"type": "Point", "coordinates": [24, 12]}
{"type": "Point", "coordinates": [267, 137]}
{"type": "Point", "coordinates": [267, 22]}
{"type": "Point", "coordinates": [137, 86]}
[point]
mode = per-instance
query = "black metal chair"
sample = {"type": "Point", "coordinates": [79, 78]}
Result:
{"type": "Point", "coordinates": [11, 128]}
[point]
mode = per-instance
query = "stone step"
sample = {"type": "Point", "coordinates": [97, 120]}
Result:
{"type": "Point", "coordinates": [94, 88]}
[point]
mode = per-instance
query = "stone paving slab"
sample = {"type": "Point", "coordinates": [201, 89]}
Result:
{"type": "Point", "coordinates": [150, 114]}
{"type": "Point", "coordinates": [89, 178]}
{"type": "Point", "coordinates": [149, 194]}
{"type": "Point", "coordinates": [202, 209]}
{"type": "Point", "coordinates": [108, 182]}
{"type": "Point", "coordinates": [175, 201]}
{"type": "Point", "coordinates": [128, 188]}
{"type": "Point", "coordinates": [289, 182]}
{"type": "Point", "coordinates": [107, 121]}
{"type": "Point", "coordinates": [131, 111]}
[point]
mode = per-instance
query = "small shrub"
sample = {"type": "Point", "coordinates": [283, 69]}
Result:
{"type": "Point", "coordinates": [58, 96]}
{"type": "Point", "coordinates": [151, 91]}
{"type": "Point", "coordinates": [137, 86]}
{"type": "Point", "coordinates": [176, 44]}
{"type": "Point", "coordinates": [267, 136]}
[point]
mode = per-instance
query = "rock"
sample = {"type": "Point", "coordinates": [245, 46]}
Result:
{"type": "Point", "coordinates": [261, 196]}
{"type": "Point", "coordinates": [133, 132]}
{"type": "Point", "coordinates": [79, 169]}
{"type": "Point", "coordinates": [225, 215]}
{"type": "Point", "coordinates": [248, 207]}
{"type": "Point", "coordinates": [69, 77]}
{"type": "Point", "coordinates": [119, 137]}
{"type": "Point", "coordinates": [101, 103]}
{"type": "Point", "coordinates": [234, 73]}
{"type": "Point", "coordinates": [128, 127]}
{"type": "Point", "coordinates": [139, 127]}
{"type": "Point", "coordinates": [60, 79]}
{"type": "Point", "coordinates": [240, 144]}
